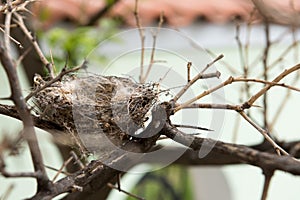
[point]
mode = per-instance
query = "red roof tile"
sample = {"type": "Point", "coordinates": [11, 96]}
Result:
{"type": "Point", "coordinates": [176, 13]}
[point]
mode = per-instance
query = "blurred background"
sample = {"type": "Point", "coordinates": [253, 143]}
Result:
{"type": "Point", "coordinates": [95, 30]}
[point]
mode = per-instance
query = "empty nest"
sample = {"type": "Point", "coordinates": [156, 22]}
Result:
{"type": "Point", "coordinates": [93, 106]}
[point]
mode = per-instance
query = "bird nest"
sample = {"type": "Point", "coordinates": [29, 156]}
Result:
{"type": "Point", "coordinates": [96, 105]}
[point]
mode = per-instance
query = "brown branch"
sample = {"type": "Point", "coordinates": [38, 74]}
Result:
{"type": "Point", "coordinates": [7, 26]}
{"type": "Point", "coordinates": [265, 133]}
{"type": "Point", "coordinates": [20, 174]}
{"type": "Point", "coordinates": [13, 39]}
{"type": "Point", "coordinates": [189, 71]}
{"type": "Point", "coordinates": [142, 38]}
{"type": "Point", "coordinates": [240, 45]}
{"type": "Point", "coordinates": [154, 37]}
{"type": "Point", "coordinates": [231, 79]}
{"type": "Point", "coordinates": [125, 192]}
{"type": "Point", "coordinates": [203, 94]}
{"type": "Point", "coordinates": [229, 67]}
{"type": "Point", "coordinates": [265, 74]}
{"type": "Point", "coordinates": [96, 175]}
{"type": "Point", "coordinates": [25, 116]}
{"type": "Point", "coordinates": [190, 157]}
{"type": "Point", "coordinates": [240, 79]}
{"type": "Point", "coordinates": [283, 104]}
{"type": "Point", "coordinates": [286, 72]}
{"type": "Point", "coordinates": [64, 72]}
{"type": "Point", "coordinates": [213, 106]}
{"type": "Point", "coordinates": [60, 170]}
{"type": "Point", "coordinates": [197, 77]}
{"type": "Point", "coordinates": [192, 127]}
{"type": "Point", "coordinates": [268, 176]}
{"type": "Point", "coordinates": [19, 20]}
{"type": "Point", "coordinates": [243, 153]}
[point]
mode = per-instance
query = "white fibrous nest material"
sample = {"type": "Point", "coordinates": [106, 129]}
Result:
{"type": "Point", "coordinates": [94, 105]}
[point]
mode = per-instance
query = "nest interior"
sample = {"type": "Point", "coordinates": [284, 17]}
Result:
{"type": "Point", "coordinates": [94, 107]}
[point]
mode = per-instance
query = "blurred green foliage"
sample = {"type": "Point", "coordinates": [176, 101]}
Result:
{"type": "Point", "coordinates": [170, 183]}
{"type": "Point", "coordinates": [74, 44]}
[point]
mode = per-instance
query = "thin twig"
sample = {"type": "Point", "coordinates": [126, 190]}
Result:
{"type": "Point", "coordinates": [24, 112]}
{"type": "Point", "coordinates": [56, 170]}
{"type": "Point", "coordinates": [125, 192]}
{"type": "Point", "coordinates": [240, 45]}
{"type": "Point", "coordinates": [277, 148]}
{"type": "Point", "coordinates": [286, 72]}
{"type": "Point", "coordinates": [245, 61]}
{"type": "Point", "coordinates": [282, 104]}
{"type": "Point", "coordinates": [19, 20]}
{"type": "Point", "coordinates": [7, 26]}
{"type": "Point", "coordinates": [205, 93]}
{"type": "Point", "coordinates": [154, 38]}
{"type": "Point", "coordinates": [282, 55]}
{"type": "Point", "coordinates": [21, 57]}
{"type": "Point", "coordinates": [21, 174]}
{"type": "Point", "coordinates": [240, 79]}
{"type": "Point", "coordinates": [265, 74]}
{"type": "Point", "coordinates": [57, 78]}
{"type": "Point", "coordinates": [268, 176]}
{"type": "Point", "coordinates": [189, 71]}
{"type": "Point", "coordinates": [192, 127]}
{"type": "Point", "coordinates": [231, 69]}
{"type": "Point", "coordinates": [7, 192]}
{"type": "Point", "coordinates": [295, 41]}
{"type": "Point", "coordinates": [142, 37]}
{"type": "Point", "coordinates": [250, 102]}
{"type": "Point", "coordinates": [212, 106]}
{"type": "Point", "coordinates": [59, 171]}
{"type": "Point", "coordinates": [199, 75]}
{"type": "Point", "coordinates": [13, 39]}
{"type": "Point", "coordinates": [77, 160]}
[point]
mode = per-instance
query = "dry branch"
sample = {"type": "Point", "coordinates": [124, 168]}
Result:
{"type": "Point", "coordinates": [55, 115]}
{"type": "Point", "coordinates": [196, 78]}
{"type": "Point", "coordinates": [25, 116]}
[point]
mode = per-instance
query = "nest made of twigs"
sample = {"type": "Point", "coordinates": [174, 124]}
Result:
{"type": "Point", "coordinates": [96, 104]}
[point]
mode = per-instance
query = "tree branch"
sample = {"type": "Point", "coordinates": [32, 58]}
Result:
{"type": "Point", "coordinates": [25, 116]}
{"type": "Point", "coordinates": [243, 153]}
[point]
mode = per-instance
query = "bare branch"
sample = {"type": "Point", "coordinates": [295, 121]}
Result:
{"type": "Point", "coordinates": [240, 79]}
{"type": "Point", "coordinates": [277, 148]}
{"type": "Point", "coordinates": [242, 153]}
{"type": "Point", "coordinates": [268, 176]}
{"type": "Point", "coordinates": [142, 38]}
{"type": "Point", "coordinates": [57, 78]}
{"type": "Point", "coordinates": [265, 74]}
{"type": "Point", "coordinates": [125, 192]}
{"type": "Point", "coordinates": [21, 174]}
{"type": "Point", "coordinates": [189, 71]}
{"type": "Point", "coordinates": [59, 171]}
{"type": "Point", "coordinates": [19, 20]}
{"type": "Point", "coordinates": [7, 26]}
{"type": "Point", "coordinates": [192, 127]}
{"type": "Point", "coordinates": [286, 72]}
{"type": "Point", "coordinates": [154, 37]}
{"type": "Point", "coordinates": [212, 106]}
{"type": "Point", "coordinates": [24, 112]}
{"type": "Point", "coordinates": [13, 39]}
{"type": "Point", "coordinates": [197, 77]}
{"type": "Point", "coordinates": [205, 93]}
